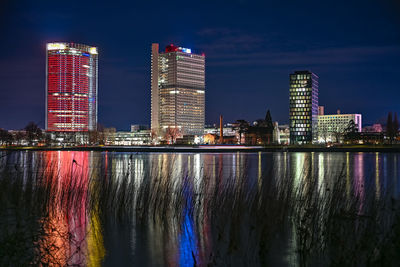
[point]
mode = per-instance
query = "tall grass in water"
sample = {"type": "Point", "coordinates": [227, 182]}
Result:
{"type": "Point", "coordinates": [43, 213]}
{"type": "Point", "coordinates": [345, 226]}
{"type": "Point", "coordinates": [49, 212]}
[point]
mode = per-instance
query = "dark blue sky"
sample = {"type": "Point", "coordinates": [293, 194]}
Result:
{"type": "Point", "coordinates": [250, 46]}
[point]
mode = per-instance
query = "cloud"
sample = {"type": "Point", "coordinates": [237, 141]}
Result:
{"type": "Point", "coordinates": [345, 55]}
{"type": "Point", "coordinates": [217, 40]}
{"type": "Point", "coordinates": [231, 47]}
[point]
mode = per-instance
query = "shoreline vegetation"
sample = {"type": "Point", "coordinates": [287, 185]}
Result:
{"type": "Point", "coordinates": [214, 148]}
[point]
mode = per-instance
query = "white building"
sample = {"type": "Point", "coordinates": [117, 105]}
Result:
{"type": "Point", "coordinates": [284, 134]}
{"type": "Point", "coordinates": [128, 138]}
{"type": "Point", "coordinates": [331, 128]}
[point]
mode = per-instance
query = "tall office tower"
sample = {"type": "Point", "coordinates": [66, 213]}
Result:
{"type": "Point", "coordinates": [303, 98]}
{"type": "Point", "coordinates": [71, 87]}
{"type": "Point", "coordinates": [155, 104]}
{"type": "Point", "coordinates": [177, 90]}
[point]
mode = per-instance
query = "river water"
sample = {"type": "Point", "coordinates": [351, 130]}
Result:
{"type": "Point", "coordinates": [172, 209]}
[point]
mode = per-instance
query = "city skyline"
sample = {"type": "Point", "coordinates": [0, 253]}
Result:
{"type": "Point", "coordinates": [247, 63]}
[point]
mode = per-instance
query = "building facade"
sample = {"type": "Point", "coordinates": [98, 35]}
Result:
{"type": "Point", "coordinates": [139, 127]}
{"type": "Point", "coordinates": [375, 128]}
{"type": "Point", "coordinates": [71, 87]}
{"type": "Point", "coordinates": [284, 134]}
{"type": "Point", "coordinates": [331, 128]}
{"type": "Point", "coordinates": [128, 138]}
{"type": "Point", "coordinates": [321, 110]}
{"type": "Point", "coordinates": [303, 107]}
{"type": "Point", "coordinates": [177, 91]}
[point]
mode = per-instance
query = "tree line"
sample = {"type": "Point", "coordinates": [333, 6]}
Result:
{"type": "Point", "coordinates": [32, 135]}
{"type": "Point", "coordinates": [392, 127]}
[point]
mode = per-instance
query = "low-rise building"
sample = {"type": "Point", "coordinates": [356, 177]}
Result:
{"type": "Point", "coordinates": [128, 138]}
{"type": "Point", "coordinates": [138, 127]}
{"type": "Point", "coordinates": [258, 136]}
{"type": "Point", "coordinates": [69, 138]}
{"type": "Point", "coordinates": [185, 140]}
{"type": "Point", "coordinates": [229, 129]}
{"type": "Point", "coordinates": [284, 134]}
{"type": "Point", "coordinates": [331, 128]}
{"type": "Point", "coordinates": [209, 138]}
{"type": "Point", "coordinates": [213, 139]}
{"type": "Point", "coordinates": [375, 128]}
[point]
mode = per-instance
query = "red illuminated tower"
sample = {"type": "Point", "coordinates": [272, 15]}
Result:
{"type": "Point", "coordinates": [71, 87]}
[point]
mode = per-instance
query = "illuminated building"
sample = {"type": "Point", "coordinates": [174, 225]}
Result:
{"type": "Point", "coordinates": [331, 128]}
{"type": "Point", "coordinates": [375, 128]}
{"type": "Point", "coordinates": [177, 91]}
{"type": "Point", "coordinates": [138, 127]}
{"type": "Point", "coordinates": [141, 137]}
{"type": "Point", "coordinates": [321, 110]}
{"type": "Point", "coordinates": [284, 134]}
{"type": "Point", "coordinates": [71, 87]}
{"type": "Point", "coordinates": [303, 106]}
{"type": "Point", "coordinates": [276, 134]}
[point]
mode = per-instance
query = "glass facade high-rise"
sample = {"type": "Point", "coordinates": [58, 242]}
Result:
{"type": "Point", "coordinates": [71, 87]}
{"type": "Point", "coordinates": [177, 90]}
{"type": "Point", "coordinates": [303, 105]}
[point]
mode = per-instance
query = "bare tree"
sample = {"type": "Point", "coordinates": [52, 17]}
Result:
{"type": "Point", "coordinates": [395, 126]}
{"type": "Point", "coordinates": [5, 137]}
{"type": "Point", "coordinates": [351, 132]}
{"type": "Point", "coordinates": [33, 132]}
{"type": "Point", "coordinates": [338, 134]}
{"type": "Point", "coordinates": [171, 133]}
{"type": "Point", "coordinates": [19, 136]}
{"type": "Point", "coordinates": [324, 134]}
{"type": "Point", "coordinates": [389, 127]}
{"type": "Point", "coordinates": [48, 139]}
{"type": "Point", "coordinates": [243, 126]}
{"type": "Point", "coordinates": [153, 136]}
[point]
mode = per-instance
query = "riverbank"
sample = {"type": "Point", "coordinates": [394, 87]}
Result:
{"type": "Point", "coordinates": [217, 148]}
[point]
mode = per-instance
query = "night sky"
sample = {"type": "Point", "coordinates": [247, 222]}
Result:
{"type": "Point", "coordinates": [251, 47]}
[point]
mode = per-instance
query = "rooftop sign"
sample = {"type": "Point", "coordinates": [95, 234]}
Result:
{"type": "Point", "coordinates": [55, 46]}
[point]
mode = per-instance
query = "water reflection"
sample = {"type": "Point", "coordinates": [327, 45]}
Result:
{"type": "Point", "coordinates": [377, 182]}
{"type": "Point", "coordinates": [72, 233]}
{"type": "Point", "coordinates": [179, 190]}
{"type": "Point", "coordinates": [359, 179]}
{"type": "Point", "coordinates": [187, 238]}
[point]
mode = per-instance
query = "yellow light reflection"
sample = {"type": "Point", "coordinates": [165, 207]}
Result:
{"type": "Point", "coordinates": [321, 171]}
{"type": "Point", "coordinates": [237, 166]}
{"type": "Point", "coordinates": [348, 174]}
{"type": "Point", "coordinates": [377, 183]}
{"type": "Point", "coordinates": [299, 168]}
{"type": "Point", "coordinates": [259, 171]}
{"type": "Point", "coordinates": [95, 245]}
